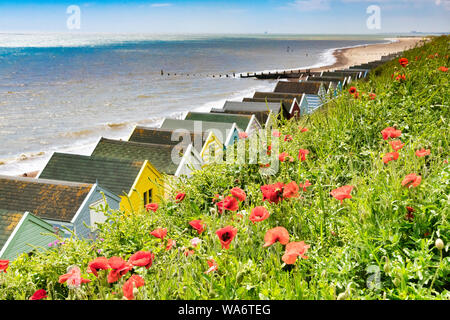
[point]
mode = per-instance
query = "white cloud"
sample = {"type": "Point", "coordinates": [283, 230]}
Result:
{"type": "Point", "coordinates": [310, 5]}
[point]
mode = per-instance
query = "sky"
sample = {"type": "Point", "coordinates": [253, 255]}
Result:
{"type": "Point", "coordinates": [226, 16]}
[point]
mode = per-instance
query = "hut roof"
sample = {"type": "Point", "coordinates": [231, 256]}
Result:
{"type": "Point", "coordinates": [297, 87]}
{"type": "Point", "coordinates": [159, 155]}
{"type": "Point", "coordinates": [114, 175]}
{"type": "Point", "coordinates": [261, 116]}
{"type": "Point", "coordinates": [47, 199]}
{"type": "Point", "coordinates": [278, 95]}
{"type": "Point", "coordinates": [8, 222]}
{"type": "Point", "coordinates": [159, 136]}
{"type": "Point", "coordinates": [241, 120]}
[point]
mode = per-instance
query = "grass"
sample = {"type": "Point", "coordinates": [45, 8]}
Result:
{"type": "Point", "coordinates": [364, 248]}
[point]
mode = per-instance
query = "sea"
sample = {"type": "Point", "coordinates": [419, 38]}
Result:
{"type": "Point", "coordinates": [61, 92]}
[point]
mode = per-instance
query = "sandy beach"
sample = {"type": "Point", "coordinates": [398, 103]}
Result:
{"type": "Point", "coordinates": [359, 55]}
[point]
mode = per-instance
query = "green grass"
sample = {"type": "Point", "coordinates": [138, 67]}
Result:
{"type": "Point", "coordinates": [365, 238]}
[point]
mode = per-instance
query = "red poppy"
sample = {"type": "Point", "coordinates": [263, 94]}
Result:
{"type": "Point", "coordinates": [293, 250]}
{"type": "Point", "coordinates": [409, 216]}
{"type": "Point", "coordinates": [372, 96]}
{"type": "Point", "coordinates": [238, 193]}
{"type": "Point", "coordinates": [390, 132]}
{"type": "Point", "coordinates": [73, 278]}
{"type": "Point", "coordinates": [272, 192]}
{"type": "Point", "coordinates": [443, 69]}
{"type": "Point", "coordinates": [290, 190]}
{"type": "Point", "coordinates": [243, 135]}
{"type": "Point", "coordinates": [226, 235]}
{"type": "Point", "coordinates": [276, 133]}
{"type": "Point", "coordinates": [288, 137]}
{"type": "Point", "coordinates": [411, 180]}
{"type": "Point", "coordinates": [302, 154]}
{"type": "Point", "coordinates": [170, 244]}
{"type": "Point", "coordinates": [180, 196]}
{"type": "Point", "coordinates": [342, 193]}
{"type": "Point", "coordinates": [198, 225]}
{"type": "Point", "coordinates": [423, 152]}
{"type": "Point", "coordinates": [352, 90]}
{"type": "Point", "coordinates": [304, 185]}
{"type": "Point", "coordinates": [119, 268]}
{"type": "Point", "coordinates": [212, 264]}
{"type": "Point", "coordinates": [142, 259]}
{"type": "Point", "coordinates": [396, 144]}
{"type": "Point", "coordinates": [258, 214]}
{"type": "Point", "coordinates": [400, 77]}
{"type": "Point", "coordinates": [390, 156]}
{"type": "Point", "coordinates": [159, 233]}
{"type": "Point", "coordinates": [39, 294]}
{"type": "Point", "coordinates": [100, 263]}
{"type": "Point", "coordinates": [188, 252]}
{"type": "Point", "coordinates": [4, 265]}
{"type": "Point", "coordinates": [269, 150]}
{"type": "Point", "coordinates": [151, 206]}
{"type": "Point", "coordinates": [134, 281]}
{"type": "Point", "coordinates": [285, 156]}
{"type": "Point", "coordinates": [229, 203]}
{"type": "Point", "coordinates": [303, 129]}
{"type": "Point", "coordinates": [356, 95]}
{"type": "Point", "coordinates": [279, 234]}
{"type": "Point", "coordinates": [403, 62]}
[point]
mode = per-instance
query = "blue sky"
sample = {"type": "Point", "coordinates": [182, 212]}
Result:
{"type": "Point", "coordinates": [231, 16]}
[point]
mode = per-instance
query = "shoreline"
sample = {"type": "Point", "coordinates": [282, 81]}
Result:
{"type": "Point", "coordinates": [344, 58]}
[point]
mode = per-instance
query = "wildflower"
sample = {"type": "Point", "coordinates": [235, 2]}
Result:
{"type": "Point", "coordinates": [303, 129]}
{"type": "Point", "coordinates": [279, 234]}
{"type": "Point", "coordinates": [409, 216]}
{"type": "Point", "coordinates": [73, 277]}
{"type": "Point", "coordinates": [188, 252]}
{"type": "Point", "coordinates": [134, 281]}
{"type": "Point", "coordinates": [403, 62]}
{"type": "Point", "coordinates": [276, 133]}
{"type": "Point", "coordinates": [198, 225]}
{"type": "Point", "coordinates": [229, 203]}
{"type": "Point", "coordinates": [302, 154]}
{"type": "Point", "coordinates": [170, 244]}
{"type": "Point", "coordinates": [443, 69]}
{"type": "Point", "coordinates": [100, 263]}
{"type": "Point", "coordinates": [243, 135]}
{"type": "Point", "coordinates": [151, 206]}
{"type": "Point", "coordinates": [119, 268]}
{"type": "Point", "coordinates": [4, 265]}
{"type": "Point", "coordinates": [290, 190]}
{"type": "Point", "coordinates": [238, 193]}
{"type": "Point", "coordinates": [342, 193]}
{"type": "Point", "coordinates": [269, 150]}
{"type": "Point", "coordinates": [180, 196]}
{"type": "Point", "coordinates": [356, 95]}
{"type": "Point", "coordinates": [212, 264]}
{"type": "Point", "coordinates": [390, 156]}
{"type": "Point", "coordinates": [304, 185]}
{"type": "Point", "coordinates": [272, 192]}
{"type": "Point", "coordinates": [400, 77]}
{"type": "Point", "coordinates": [423, 152]}
{"type": "Point", "coordinates": [39, 294]}
{"type": "Point", "coordinates": [142, 259]}
{"type": "Point", "coordinates": [195, 242]}
{"type": "Point", "coordinates": [396, 144]}
{"type": "Point", "coordinates": [352, 90]}
{"type": "Point", "coordinates": [411, 180]}
{"type": "Point", "coordinates": [390, 132]}
{"type": "Point", "coordinates": [226, 235]}
{"type": "Point", "coordinates": [293, 250]}
{"type": "Point", "coordinates": [288, 137]}
{"type": "Point", "coordinates": [258, 214]}
{"type": "Point", "coordinates": [439, 244]}
{"type": "Point", "coordinates": [159, 233]}
{"type": "Point", "coordinates": [283, 156]}
{"type": "Point", "coordinates": [372, 96]}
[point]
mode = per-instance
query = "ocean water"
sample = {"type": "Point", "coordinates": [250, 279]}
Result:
{"type": "Point", "coordinates": [62, 92]}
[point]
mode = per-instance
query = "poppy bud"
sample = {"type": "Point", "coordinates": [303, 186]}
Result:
{"type": "Point", "coordinates": [439, 244]}
{"type": "Point", "coordinates": [240, 277]}
{"type": "Point", "coordinates": [213, 210]}
{"type": "Point", "coordinates": [342, 296]}
{"type": "Point", "coordinates": [264, 277]}
{"type": "Point", "coordinates": [396, 282]}
{"type": "Point", "coordinates": [387, 267]}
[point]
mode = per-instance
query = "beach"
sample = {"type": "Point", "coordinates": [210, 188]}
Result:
{"type": "Point", "coordinates": [363, 54]}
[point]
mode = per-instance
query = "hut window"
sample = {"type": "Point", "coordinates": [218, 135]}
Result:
{"type": "Point", "coordinates": [212, 150]}
{"type": "Point", "coordinates": [148, 197]}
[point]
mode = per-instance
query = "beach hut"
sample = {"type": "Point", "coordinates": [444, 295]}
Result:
{"type": "Point", "coordinates": [299, 87]}
{"type": "Point", "coordinates": [217, 135]}
{"type": "Point", "coordinates": [261, 116]}
{"type": "Point", "coordinates": [130, 180]}
{"type": "Point", "coordinates": [354, 74]}
{"type": "Point", "coordinates": [21, 232]}
{"type": "Point", "coordinates": [59, 203]}
{"type": "Point", "coordinates": [291, 107]}
{"type": "Point", "coordinates": [245, 123]}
